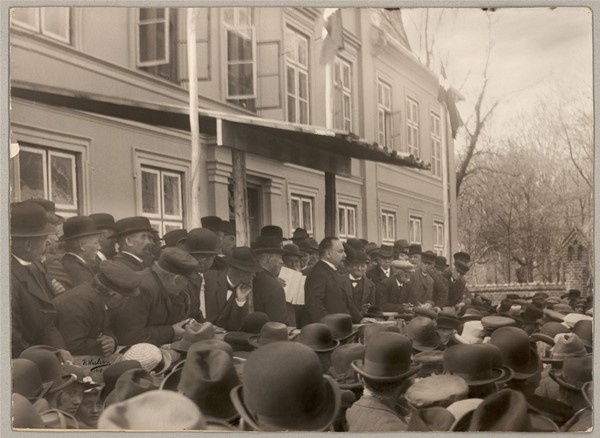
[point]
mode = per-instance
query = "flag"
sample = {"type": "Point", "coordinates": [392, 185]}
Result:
{"type": "Point", "coordinates": [450, 96]}
{"type": "Point", "coordinates": [332, 34]}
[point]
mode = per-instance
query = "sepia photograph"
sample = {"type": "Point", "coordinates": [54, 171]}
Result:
{"type": "Point", "coordinates": [305, 219]}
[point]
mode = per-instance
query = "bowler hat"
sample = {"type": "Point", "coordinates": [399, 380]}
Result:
{"type": "Point", "coordinates": [229, 228]}
{"type": "Point", "coordinates": [386, 251]}
{"type": "Point", "coordinates": [291, 249]}
{"type": "Point", "coordinates": [112, 372]}
{"type": "Point", "coordinates": [130, 225]}
{"type": "Point", "coordinates": [357, 257]}
{"type": "Point", "coordinates": [517, 351]}
{"type": "Point", "coordinates": [79, 226]}
{"type": "Point", "coordinates": [428, 257]}
{"type": "Point", "coordinates": [50, 208]}
{"type": "Point", "coordinates": [284, 389]}
{"type": "Point", "coordinates": [269, 333]}
{"type": "Point", "coordinates": [387, 358]}
{"type": "Point", "coordinates": [267, 245]}
{"type": "Point", "coordinates": [421, 330]}
{"type": "Point", "coordinates": [576, 371]}
{"type": "Point", "coordinates": [200, 241]}
{"type": "Point", "coordinates": [242, 258]}
{"type": "Point", "coordinates": [177, 261]}
{"type": "Point", "coordinates": [49, 367]}
{"type": "Point", "coordinates": [103, 221]}
{"type": "Point", "coordinates": [584, 329]}
{"type": "Point", "coordinates": [153, 410]}
{"type": "Point", "coordinates": [473, 364]}
{"type": "Point", "coordinates": [441, 262]}
{"type": "Point", "coordinates": [430, 419]}
{"type": "Point", "coordinates": [24, 415]}
{"type": "Point", "coordinates": [401, 246]}
{"type": "Point", "coordinates": [119, 278]}
{"type": "Point", "coordinates": [207, 378]}
{"type": "Point", "coordinates": [305, 246]}
{"type": "Point", "coordinates": [28, 219]}
{"type": "Point", "coordinates": [341, 363]}
{"type": "Point", "coordinates": [340, 325]}
{"type": "Point", "coordinates": [318, 337]}
{"type": "Point", "coordinates": [194, 332]}
{"type": "Point", "coordinates": [213, 223]}
{"type": "Point", "coordinates": [496, 357]}
{"type": "Point", "coordinates": [403, 265]}
{"type": "Point", "coordinates": [172, 237]}
{"type": "Point", "coordinates": [272, 231]}
{"type": "Point", "coordinates": [472, 333]}
{"type": "Point", "coordinates": [438, 390]}
{"type": "Point", "coordinates": [299, 234]}
{"type": "Point", "coordinates": [26, 379]}
{"type": "Point", "coordinates": [129, 384]}
{"type": "Point", "coordinates": [414, 249]}
{"type": "Point", "coordinates": [507, 411]}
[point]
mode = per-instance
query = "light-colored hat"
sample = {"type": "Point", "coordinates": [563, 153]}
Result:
{"type": "Point", "coordinates": [472, 333]}
{"type": "Point", "coordinates": [437, 390]}
{"type": "Point", "coordinates": [149, 356]}
{"type": "Point", "coordinates": [194, 332]}
{"type": "Point", "coordinates": [571, 319]}
{"type": "Point", "coordinates": [566, 345]}
{"type": "Point", "coordinates": [462, 408]}
{"type": "Point", "coordinates": [403, 264]}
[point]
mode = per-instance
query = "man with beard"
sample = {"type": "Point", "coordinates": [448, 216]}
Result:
{"type": "Point", "coordinates": [457, 285]}
{"type": "Point", "coordinates": [392, 294]}
{"type": "Point", "coordinates": [83, 317]}
{"type": "Point", "coordinates": [440, 285]}
{"type": "Point", "coordinates": [136, 242]}
{"type": "Point", "coordinates": [106, 224]}
{"type": "Point", "coordinates": [385, 255]}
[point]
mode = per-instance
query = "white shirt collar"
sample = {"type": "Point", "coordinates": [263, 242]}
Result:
{"type": "Point", "coordinates": [330, 264]}
{"type": "Point", "coordinates": [352, 278]}
{"type": "Point", "coordinates": [399, 283]}
{"type": "Point", "coordinates": [229, 283]}
{"type": "Point", "coordinates": [101, 256]}
{"type": "Point", "coordinates": [23, 262]}
{"type": "Point", "coordinates": [134, 256]}
{"type": "Point", "coordinates": [386, 271]}
{"type": "Point", "coordinates": [79, 257]}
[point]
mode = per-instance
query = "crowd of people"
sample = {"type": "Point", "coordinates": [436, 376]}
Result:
{"type": "Point", "coordinates": [116, 327]}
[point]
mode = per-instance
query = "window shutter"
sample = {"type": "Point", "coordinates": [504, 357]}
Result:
{"type": "Point", "coordinates": [268, 75]}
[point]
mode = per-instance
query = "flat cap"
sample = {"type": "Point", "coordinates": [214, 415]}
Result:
{"type": "Point", "coordinates": [177, 261]}
{"type": "Point", "coordinates": [118, 277]}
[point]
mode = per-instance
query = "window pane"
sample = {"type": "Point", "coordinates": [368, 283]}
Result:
{"type": "Point", "coordinates": [337, 74]}
{"type": "Point", "coordinates": [307, 215]}
{"type": "Point", "coordinates": [171, 195]}
{"type": "Point", "coordinates": [302, 51]}
{"type": "Point", "coordinates": [291, 80]}
{"type": "Point", "coordinates": [228, 16]}
{"type": "Point", "coordinates": [150, 202]}
{"type": "Point", "coordinates": [291, 108]}
{"type": "Point", "coordinates": [346, 76]}
{"type": "Point", "coordinates": [351, 222]}
{"type": "Point", "coordinates": [56, 21]}
{"type": "Point", "coordinates": [295, 213]}
{"type": "Point", "coordinates": [244, 15]}
{"type": "Point", "coordinates": [241, 80]}
{"type": "Point", "coordinates": [303, 112]}
{"type": "Point", "coordinates": [170, 226]}
{"type": "Point", "coordinates": [152, 42]}
{"type": "Point", "coordinates": [341, 222]}
{"type": "Point", "coordinates": [31, 169]}
{"type": "Point", "coordinates": [152, 13]}
{"type": "Point", "coordinates": [290, 44]}
{"type": "Point", "coordinates": [303, 85]}
{"type": "Point", "coordinates": [239, 45]}
{"type": "Point", "coordinates": [62, 180]}
{"type": "Point", "coordinates": [28, 16]}
{"type": "Point", "coordinates": [346, 106]}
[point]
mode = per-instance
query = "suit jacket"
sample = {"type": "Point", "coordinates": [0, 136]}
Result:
{"type": "Point", "coordinates": [369, 414]}
{"type": "Point", "coordinates": [456, 288]}
{"type": "Point", "coordinates": [78, 270]}
{"type": "Point", "coordinates": [82, 317]}
{"type": "Point", "coordinates": [323, 294]}
{"type": "Point", "coordinates": [55, 270]}
{"type": "Point", "coordinates": [129, 261]}
{"type": "Point", "coordinates": [421, 287]}
{"type": "Point", "coordinates": [149, 316]}
{"type": "Point", "coordinates": [362, 293]}
{"type": "Point", "coordinates": [440, 287]}
{"type": "Point", "coordinates": [391, 297]}
{"type": "Point", "coordinates": [222, 312]}
{"type": "Point", "coordinates": [376, 274]}
{"type": "Point", "coordinates": [269, 296]}
{"type": "Point", "coordinates": [33, 314]}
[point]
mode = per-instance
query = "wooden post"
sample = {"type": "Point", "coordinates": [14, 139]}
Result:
{"type": "Point", "coordinates": [330, 205]}
{"type": "Point", "coordinates": [240, 202]}
{"type": "Point", "coordinates": [192, 14]}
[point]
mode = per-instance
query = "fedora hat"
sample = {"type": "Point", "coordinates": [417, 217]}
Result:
{"type": "Point", "coordinates": [441, 262]}
{"type": "Point", "coordinates": [267, 245]}
{"type": "Point", "coordinates": [462, 411]}
{"type": "Point", "coordinates": [438, 390]}
{"type": "Point", "coordinates": [507, 411]}
{"type": "Point", "coordinates": [207, 378]}
{"type": "Point", "coordinates": [291, 250]}
{"type": "Point", "coordinates": [473, 364]}
{"type": "Point", "coordinates": [421, 329]}
{"type": "Point", "coordinates": [414, 249]}
{"type": "Point", "coordinates": [194, 332]}
{"type": "Point", "coordinates": [565, 345]}
{"type": "Point", "coordinates": [273, 231]}
{"type": "Point", "coordinates": [299, 234]}
{"type": "Point", "coordinates": [243, 259]}
{"type": "Point", "coordinates": [341, 363]}
{"type": "Point", "coordinates": [386, 251]}
{"type": "Point", "coordinates": [401, 246]}
{"type": "Point", "coordinates": [387, 358]}
{"type": "Point", "coordinates": [132, 382]}
{"type": "Point", "coordinates": [153, 410]}
{"type": "Point", "coordinates": [28, 219]}
{"type": "Point", "coordinates": [24, 415]}
{"type": "Point", "coordinates": [472, 333]}
{"type": "Point", "coordinates": [79, 226]}
{"type": "Point", "coordinates": [177, 261]}
{"type": "Point", "coordinates": [26, 379]}
{"type": "Point", "coordinates": [318, 337]}
{"type": "Point", "coordinates": [171, 238]}
{"type": "Point", "coordinates": [518, 353]}
{"type": "Point", "coordinates": [251, 325]}
{"type": "Point", "coordinates": [112, 372]}
{"type": "Point", "coordinates": [151, 357]}
{"type": "Point", "coordinates": [428, 257]}
{"type": "Point", "coordinates": [49, 368]}
{"type": "Point", "coordinates": [432, 361]}
{"type": "Point", "coordinates": [50, 208]}
{"type": "Point", "coordinates": [171, 380]}
{"type": "Point", "coordinates": [576, 371]}
{"type": "Point", "coordinates": [548, 331]}
{"type": "Point", "coordinates": [372, 249]}
{"type": "Point", "coordinates": [213, 223]}
{"type": "Point", "coordinates": [200, 241]}
{"type": "Point", "coordinates": [103, 221]}
{"type": "Point", "coordinates": [571, 319]}
{"type": "Point", "coordinates": [430, 419]}
{"type": "Point", "coordinates": [284, 389]}
{"type": "Point", "coordinates": [340, 325]}
{"type": "Point", "coordinates": [584, 329]}
{"type": "Point", "coordinates": [270, 332]}
{"type": "Point", "coordinates": [119, 278]}
{"type": "Point", "coordinates": [130, 225]}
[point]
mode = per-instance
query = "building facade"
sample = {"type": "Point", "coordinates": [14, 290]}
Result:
{"type": "Point", "coordinates": [252, 62]}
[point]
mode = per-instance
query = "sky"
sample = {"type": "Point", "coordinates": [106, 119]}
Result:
{"type": "Point", "coordinates": [535, 51]}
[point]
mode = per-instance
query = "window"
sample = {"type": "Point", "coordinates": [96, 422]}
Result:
{"type": "Point", "coordinates": [342, 95]}
{"type": "Point", "coordinates": [388, 226]}
{"type": "Point", "coordinates": [50, 174]}
{"type": "Point", "coordinates": [346, 221]}
{"type": "Point", "coordinates": [438, 235]}
{"type": "Point", "coordinates": [412, 127]}
{"type": "Point", "coordinates": [152, 37]}
{"type": "Point", "coordinates": [296, 56]}
{"type": "Point", "coordinates": [162, 198]}
{"type": "Point", "coordinates": [384, 114]}
{"type": "Point", "coordinates": [302, 213]}
{"type": "Point", "coordinates": [415, 228]}
{"type": "Point", "coordinates": [436, 142]}
{"type": "Point", "coordinates": [241, 53]}
{"type": "Point", "coordinates": [52, 22]}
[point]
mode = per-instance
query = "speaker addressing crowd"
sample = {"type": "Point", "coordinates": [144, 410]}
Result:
{"type": "Point", "coordinates": [115, 327]}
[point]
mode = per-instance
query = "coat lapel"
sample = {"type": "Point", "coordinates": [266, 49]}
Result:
{"type": "Point", "coordinates": [32, 284]}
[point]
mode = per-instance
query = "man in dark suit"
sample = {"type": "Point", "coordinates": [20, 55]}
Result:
{"type": "Point", "coordinates": [81, 239]}
{"type": "Point", "coordinates": [440, 284]}
{"type": "Point", "coordinates": [322, 292]}
{"type": "Point", "coordinates": [421, 290]}
{"type": "Point", "coordinates": [355, 284]}
{"type": "Point", "coordinates": [384, 257]}
{"type": "Point", "coordinates": [457, 285]}
{"type": "Point", "coordinates": [83, 317]}
{"type": "Point", "coordinates": [267, 291]}
{"type": "Point", "coordinates": [136, 242]}
{"type": "Point", "coordinates": [33, 315]}
{"type": "Point", "coordinates": [105, 223]}
{"type": "Point", "coordinates": [393, 293]}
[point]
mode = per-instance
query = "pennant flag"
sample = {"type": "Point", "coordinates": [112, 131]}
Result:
{"type": "Point", "coordinates": [332, 34]}
{"type": "Point", "coordinates": [450, 96]}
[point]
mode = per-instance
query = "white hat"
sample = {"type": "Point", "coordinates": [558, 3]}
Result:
{"type": "Point", "coordinates": [463, 407]}
{"type": "Point", "coordinates": [472, 333]}
{"type": "Point", "coordinates": [571, 319]}
{"type": "Point", "coordinates": [148, 355]}
{"type": "Point", "coordinates": [403, 265]}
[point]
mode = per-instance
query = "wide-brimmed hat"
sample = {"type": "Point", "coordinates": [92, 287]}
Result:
{"type": "Point", "coordinates": [24, 415]}
{"type": "Point", "coordinates": [299, 234]}
{"type": "Point", "coordinates": [291, 250]}
{"type": "Point", "coordinates": [119, 278]}
{"type": "Point", "coordinates": [270, 332]}
{"type": "Point", "coordinates": [584, 329]}
{"type": "Point", "coordinates": [212, 223]}
{"type": "Point", "coordinates": [284, 389]}
{"type": "Point", "coordinates": [434, 419]}
{"type": "Point", "coordinates": [576, 371]}
{"type": "Point", "coordinates": [387, 358]}
{"type": "Point", "coordinates": [341, 363]}
{"type": "Point", "coordinates": [28, 219]}
{"type": "Point", "coordinates": [26, 379]}
{"type": "Point", "coordinates": [472, 333]}
{"type": "Point", "coordinates": [151, 357]}
{"type": "Point", "coordinates": [130, 225]}
{"type": "Point", "coordinates": [243, 259]}
{"type": "Point", "coordinates": [103, 221]}
{"type": "Point", "coordinates": [79, 226]}
{"type": "Point", "coordinates": [340, 325]}
{"type": "Point", "coordinates": [565, 345]}
{"type": "Point", "coordinates": [462, 411]}
{"type": "Point", "coordinates": [267, 245]}
{"type": "Point", "coordinates": [194, 332]}
{"type": "Point", "coordinates": [437, 390]}
{"type": "Point", "coordinates": [273, 231]}
{"type": "Point", "coordinates": [200, 241]}
{"type": "Point", "coordinates": [318, 337]}
{"type": "Point", "coordinates": [207, 378]}
{"type": "Point", "coordinates": [50, 208]}
{"type": "Point", "coordinates": [421, 329]}
{"type": "Point", "coordinates": [171, 238]}
{"type": "Point", "coordinates": [473, 364]}
{"type": "Point", "coordinates": [507, 411]}
{"type": "Point", "coordinates": [518, 353]}
{"type": "Point", "coordinates": [49, 367]}
{"type": "Point", "coordinates": [132, 382]}
{"type": "Point", "coordinates": [153, 410]}
{"type": "Point", "coordinates": [112, 372]}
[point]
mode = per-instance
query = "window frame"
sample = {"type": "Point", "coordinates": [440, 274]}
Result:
{"type": "Point", "coordinates": [298, 68]}
{"type": "Point", "coordinates": [160, 220]}
{"type": "Point", "coordinates": [301, 199]}
{"type": "Point", "coordinates": [385, 216]}
{"type": "Point", "coordinates": [384, 110]}
{"type": "Point", "coordinates": [241, 27]}
{"type": "Point", "coordinates": [345, 209]}
{"type": "Point", "coordinates": [415, 219]}
{"type": "Point", "coordinates": [439, 248]}
{"type": "Point", "coordinates": [40, 20]}
{"type": "Point", "coordinates": [436, 145]}
{"type": "Point", "coordinates": [166, 22]}
{"type": "Point", "coordinates": [346, 90]}
{"type": "Point", "coordinates": [73, 158]}
{"type": "Point", "coordinates": [413, 127]}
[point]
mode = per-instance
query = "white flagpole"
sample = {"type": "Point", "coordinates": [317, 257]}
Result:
{"type": "Point", "coordinates": [192, 14]}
